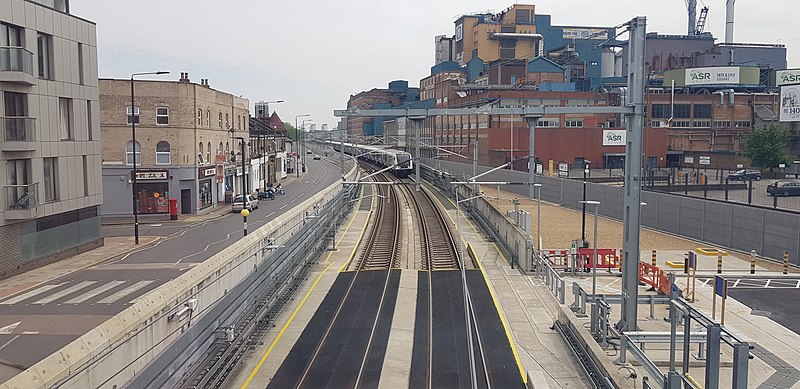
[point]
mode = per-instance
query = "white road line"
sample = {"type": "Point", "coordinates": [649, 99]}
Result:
{"type": "Point", "coordinates": [9, 342]}
{"type": "Point", "coordinates": [270, 214]}
{"type": "Point", "coordinates": [766, 284]}
{"type": "Point", "coordinates": [204, 250]}
{"type": "Point", "coordinates": [124, 292]}
{"type": "Point", "coordinates": [705, 283]}
{"type": "Point", "coordinates": [94, 292]}
{"type": "Point", "coordinates": [798, 284]}
{"type": "Point", "coordinates": [284, 206]}
{"type": "Point", "coordinates": [9, 328]}
{"type": "Point", "coordinates": [63, 293]}
{"type": "Point", "coordinates": [735, 284]}
{"type": "Point", "coordinates": [30, 294]}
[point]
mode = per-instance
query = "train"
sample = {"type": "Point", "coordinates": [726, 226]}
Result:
{"type": "Point", "coordinates": [400, 162]}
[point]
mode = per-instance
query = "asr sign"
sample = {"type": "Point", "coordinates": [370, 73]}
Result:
{"type": "Point", "coordinates": [787, 77]}
{"type": "Point", "coordinates": [613, 137]}
{"type": "Point", "coordinates": [713, 75]}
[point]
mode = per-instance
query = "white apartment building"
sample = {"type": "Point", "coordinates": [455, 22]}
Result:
{"type": "Point", "coordinates": [49, 134]}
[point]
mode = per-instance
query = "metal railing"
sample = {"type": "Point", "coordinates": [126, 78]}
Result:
{"type": "Point", "coordinates": [16, 59]}
{"type": "Point", "coordinates": [550, 276]}
{"type": "Point", "coordinates": [18, 129]}
{"type": "Point", "coordinates": [22, 196]}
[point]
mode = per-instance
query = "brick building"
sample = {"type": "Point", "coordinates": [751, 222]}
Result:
{"type": "Point", "coordinates": [186, 145]}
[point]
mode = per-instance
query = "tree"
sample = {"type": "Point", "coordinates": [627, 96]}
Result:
{"type": "Point", "coordinates": [766, 147]}
{"type": "Point", "coordinates": [291, 132]}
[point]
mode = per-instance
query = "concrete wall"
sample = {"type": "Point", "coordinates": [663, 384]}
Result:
{"type": "Point", "coordinates": [729, 225]}
{"type": "Point", "coordinates": [109, 355]}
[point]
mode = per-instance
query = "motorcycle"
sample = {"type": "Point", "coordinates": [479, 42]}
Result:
{"type": "Point", "coordinates": [279, 189]}
{"type": "Point", "coordinates": [269, 194]}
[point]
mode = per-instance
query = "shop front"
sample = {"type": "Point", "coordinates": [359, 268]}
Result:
{"type": "Point", "coordinates": [229, 178]}
{"type": "Point", "coordinates": [152, 191]}
{"type": "Point", "coordinates": [205, 178]}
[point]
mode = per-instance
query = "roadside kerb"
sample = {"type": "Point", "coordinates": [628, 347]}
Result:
{"type": "Point", "coordinates": [110, 354]}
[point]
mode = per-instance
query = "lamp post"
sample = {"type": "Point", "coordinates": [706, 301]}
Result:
{"type": "Point", "coordinates": [303, 142]}
{"type": "Point", "coordinates": [244, 173]}
{"type": "Point", "coordinates": [133, 136]}
{"type": "Point", "coordinates": [583, 211]}
{"type": "Point", "coordinates": [297, 136]}
{"type": "Point", "coordinates": [538, 215]}
{"type": "Point", "coordinates": [594, 245]}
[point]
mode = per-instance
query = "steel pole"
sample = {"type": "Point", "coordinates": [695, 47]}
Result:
{"type": "Point", "coordinates": [539, 218]}
{"type": "Point", "coordinates": [594, 253]}
{"type": "Point", "coordinates": [133, 182]}
{"type": "Point", "coordinates": [297, 146]}
{"type": "Point", "coordinates": [532, 121]}
{"type": "Point", "coordinates": [583, 208]}
{"type": "Point", "coordinates": [633, 171]}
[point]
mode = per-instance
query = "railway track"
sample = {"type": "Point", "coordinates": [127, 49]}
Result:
{"type": "Point", "coordinates": [440, 248]}
{"type": "Point", "coordinates": [382, 248]}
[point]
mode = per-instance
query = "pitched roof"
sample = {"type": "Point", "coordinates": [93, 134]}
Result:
{"type": "Point", "coordinates": [276, 122]}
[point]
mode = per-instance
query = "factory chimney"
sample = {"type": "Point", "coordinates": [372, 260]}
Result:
{"type": "Point", "coordinates": [729, 21]}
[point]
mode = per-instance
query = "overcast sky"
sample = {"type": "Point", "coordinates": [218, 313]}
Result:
{"type": "Point", "coordinates": [314, 54]}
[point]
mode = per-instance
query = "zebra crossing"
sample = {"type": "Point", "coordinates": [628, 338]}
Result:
{"type": "Point", "coordinates": [74, 293]}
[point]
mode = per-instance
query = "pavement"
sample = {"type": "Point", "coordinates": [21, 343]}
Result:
{"type": "Point", "coordinates": [761, 308]}
{"type": "Point", "coordinates": [46, 308]}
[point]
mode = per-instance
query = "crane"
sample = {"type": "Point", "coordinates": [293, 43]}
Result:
{"type": "Point", "coordinates": [696, 25]}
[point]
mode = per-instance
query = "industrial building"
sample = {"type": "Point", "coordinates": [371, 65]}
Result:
{"type": "Point", "coordinates": [49, 118]}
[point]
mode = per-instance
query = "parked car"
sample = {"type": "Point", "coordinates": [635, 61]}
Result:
{"type": "Point", "coordinates": [316, 156]}
{"type": "Point", "coordinates": [238, 204]}
{"type": "Point", "coordinates": [743, 175]}
{"type": "Point", "coordinates": [784, 188]}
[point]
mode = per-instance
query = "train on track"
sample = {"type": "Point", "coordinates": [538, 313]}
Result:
{"type": "Point", "coordinates": [400, 162]}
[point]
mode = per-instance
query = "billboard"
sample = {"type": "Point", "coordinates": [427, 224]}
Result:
{"type": "Point", "coordinates": [712, 76]}
{"type": "Point", "coordinates": [585, 33]}
{"type": "Point", "coordinates": [790, 103]}
{"type": "Point", "coordinates": [614, 137]}
{"type": "Point", "coordinates": [787, 77]}
{"type": "Point", "coordinates": [459, 32]}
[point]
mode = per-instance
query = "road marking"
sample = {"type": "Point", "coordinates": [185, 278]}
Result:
{"type": "Point", "coordinates": [202, 251]}
{"type": "Point", "coordinates": [9, 328]}
{"type": "Point", "coordinates": [124, 292]}
{"type": "Point", "coordinates": [156, 225]}
{"type": "Point", "coordinates": [766, 284]}
{"type": "Point", "coordinates": [94, 292]}
{"type": "Point", "coordinates": [61, 294]}
{"type": "Point", "coordinates": [798, 284]}
{"type": "Point", "coordinates": [735, 284]}
{"type": "Point", "coordinates": [270, 214]}
{"type": "Point", "coordinates": [9, 342]}
{"type": "Point", "coordinates": [30, 294]}
{"type": "Point", "coordinates": [284, 206]}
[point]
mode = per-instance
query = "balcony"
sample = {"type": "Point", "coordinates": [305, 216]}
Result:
{"type": "Point", "coordinates": [19, 134]}
{"type": "Point", "coordinates": [21, 201]}
{"type": "Point", "coordinates": [16, 66]}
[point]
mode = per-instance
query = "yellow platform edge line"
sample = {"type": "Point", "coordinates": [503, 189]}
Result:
{"type": "Point", "coordinates": [302, 302]}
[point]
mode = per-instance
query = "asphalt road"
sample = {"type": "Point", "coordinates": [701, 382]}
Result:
{"type": "Point", "coordinates": [37, 322]}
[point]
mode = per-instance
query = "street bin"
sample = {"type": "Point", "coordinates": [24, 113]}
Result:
{"type": "Point", "coordinates": [173, 209]}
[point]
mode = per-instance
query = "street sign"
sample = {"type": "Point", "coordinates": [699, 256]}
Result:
{"type": "Point", "coordinates": [705, 160]}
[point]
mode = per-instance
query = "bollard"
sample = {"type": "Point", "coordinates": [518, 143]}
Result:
{"type": "Point", "coordinates": [719, 262]}
{"type": "Point", "coordinates": [785, 262]}
{"type": "Point", "coordinates": [653, 258]}
{"type": "Point", "coordinates": [752, 262]}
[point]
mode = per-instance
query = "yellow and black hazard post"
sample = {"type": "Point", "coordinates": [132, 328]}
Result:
{"type": "Point", "coordinates": [752, 262]}
{"type": "Point", "coordinates": [719, 262]}
{"type": "Point", "coordinates": [653, 258]}
{"type": "Point", "coordinates": [785, 262]}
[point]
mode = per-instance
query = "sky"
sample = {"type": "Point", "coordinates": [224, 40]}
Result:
{"type": "Point", "coordinates": [314, 54]}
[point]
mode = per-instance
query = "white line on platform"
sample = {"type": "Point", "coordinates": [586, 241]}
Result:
{"type": "Point", "coordinates": [124, 292]}
{"type": "Point", "coordinates": [94, 292]}
{"type": "Point", "coordinates": [63, 293]}
{"type": "Point", "coordinates": [30, 294]}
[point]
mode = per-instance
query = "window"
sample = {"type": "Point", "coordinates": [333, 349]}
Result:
{"type": "Point", "coordinates": [702, 111]}
{"type": "Point", "coordinates": [573, 123]}
{"type": "Point", "coordinates": [12, 36]}
{"type": "Point", "coordinates": [227, 150]}
{"type": "Point", "coordinates": [162, 116]}
{"type": "Point", "coordinates": [702, 123]}
{"type": "Point", "coordinates": [722, 124]}
{"type": "Point", "coordinates": [227, 125]}
{"type": "Point", "coordinates": [680, 124]}
{"type": "Point", "coordinates": [89, 120]}
{"type": "Point", "coordinates": [220, 120]}
{"type": "Point", "coordinates": [660, 111]}
{"type": "Point", "coordinates": [200, 154]}
{"type": "Point", "coordinates": [239, 122]}
{"type": "Point", "coordinates": [548, 122]}
{"type": "Point", "coordinates": [682, 111]}
{"type": "Point", "coordinates": [65, 118]}
{"type": "Point", "coordinates": [208, 153]}
{"type": "Point", "coordinates": [220, 149]}
{"type": "Point", "coordinates": [50, 179]}
{"type": "Point", "coordinates": [743, 124]}
{"type": "Point", "coordinates": [132, 117]}
{"type": "Point", "coordinates": [80, 63]}
{"type": "Point", "coordinates": [208, 119]}
{"type": "Point", "coordinates": [20, 195]}
{"type": "Point", "coordinates": [129, 153]}
{"type": "Point", "coordinates": [162, 153]}
{"type": "Point", "coordinates": [85, 176]}
{"type": "Point", "coordinates": [44, 44]}
{"type": "Point", "coordinates": [199, 117]}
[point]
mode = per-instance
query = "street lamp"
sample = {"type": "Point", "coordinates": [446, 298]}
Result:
{"type": "Point", "coordinates": [297, 135]}
{"type": "Point", "coordinates": [303, 141]}
{"type": "Point", "coordinates": [594, 245]}
{"type": "Point", "coordinates": [133, 136]}
{"type": "Point", "coordinates": [583, 212]}
{"type": "Point", "coordinates": [538, 215]}
{"type": "Point", "coordinates": [265, 172]}
{"type": "Point", "coordinates": [245, 199]}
